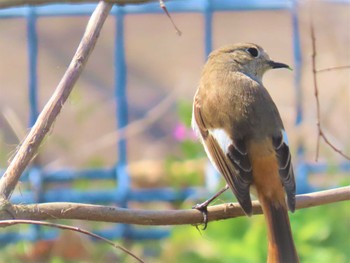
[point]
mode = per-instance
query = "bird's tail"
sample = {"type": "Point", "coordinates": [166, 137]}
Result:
{"type": "Point", "coordinates": [281, 245]}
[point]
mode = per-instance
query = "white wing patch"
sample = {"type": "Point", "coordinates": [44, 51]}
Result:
{"type": "Point", "coordinates": [199, 136]}
{"type": "Point", "coordinates": [195, 127]}
{"type": "Point", "coordinates": [222, 139]}
{"type": "Point", "coordinates": [220, 136]}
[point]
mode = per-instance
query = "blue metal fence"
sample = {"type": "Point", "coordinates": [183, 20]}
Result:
{"type": "Point", "coordinates": [123, 192]}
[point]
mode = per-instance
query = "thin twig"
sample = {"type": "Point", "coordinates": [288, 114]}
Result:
{"type": "Point", "coordinates": [7, 223]}
{"type": "Point", "coordinates": [332, 69]}
{"type": "Point", "coordinates": [313, 60]}
{"type": "Point", "coordinates": [76, 211]}
{"type": "Point", "coordinates": [53, 107]}
{"type": "Point", "coordinates": [318, 110]}
{"type": "Point", "coordinates": [13, 120]}
{"type": "Point", "coordinates": [162, 5]}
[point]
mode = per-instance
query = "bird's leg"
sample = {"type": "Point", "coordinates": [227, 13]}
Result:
{"type": "Point", "coordinates": [203, 207]}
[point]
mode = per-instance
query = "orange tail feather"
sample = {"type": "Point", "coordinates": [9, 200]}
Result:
{"type": "Point", "coordinates": [281, 244]}
{"type": "Point", "coordinates": [272, 198]}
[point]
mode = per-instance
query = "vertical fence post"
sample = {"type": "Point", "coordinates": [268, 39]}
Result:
{"type": "Point", "coordinates": [212, 177]}
{"type": "Point", "coordinates": [298, 63]}
{"type": "Point", "coordinates": [121, 105]}
{"type": "Point", "coordinates": [32, 39]}
{"type": "Point", "coordinates": [34, 172]}
{"type": "Point", "coordinates": [208, 28]}
{"type": "Point", "coordinates": [122, 176]}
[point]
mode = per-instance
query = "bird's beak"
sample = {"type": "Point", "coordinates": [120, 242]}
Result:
{"type": "Point", "coordinates": [274, 65]}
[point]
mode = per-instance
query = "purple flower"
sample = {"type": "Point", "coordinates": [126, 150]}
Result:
{"type": "Point", "coordinates": [181, 133]}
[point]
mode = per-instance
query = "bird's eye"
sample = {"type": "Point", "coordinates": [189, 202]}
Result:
{"type": "Point", "coordinates": [253, 51]}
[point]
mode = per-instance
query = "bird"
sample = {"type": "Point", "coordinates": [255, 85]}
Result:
{"type": "Point", "coordinates": [243, 135]}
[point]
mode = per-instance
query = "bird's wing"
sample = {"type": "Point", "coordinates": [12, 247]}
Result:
{"type": "Point", "coordinates": [228, 156]}
{"type": "Point", "coordinates": [285, 168]}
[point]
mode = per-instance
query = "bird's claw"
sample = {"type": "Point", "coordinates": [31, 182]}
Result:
{"type": "Point", "coordinates": [203, 208]}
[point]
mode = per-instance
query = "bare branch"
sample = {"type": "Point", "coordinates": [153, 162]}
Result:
{"type": "Point", "coordinates": [7, 223]}
{"type": "Point", "coordinates": [101, 213]}
{"type": "Point", "coordinates": [13, 3]}
{"type": "Point", "coordinates": [53, 107]}
{"type": "Point", "coordinates": [318, 110]}
{"type": "Point", "coordinates": [313, 59]}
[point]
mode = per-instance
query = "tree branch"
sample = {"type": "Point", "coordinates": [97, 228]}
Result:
{"type": "Point", "coordinates": [53, 107]}
{"type": "Point", "coordinates": [320, 134]}
{"type": "Point", "coordinates": [100, 213]}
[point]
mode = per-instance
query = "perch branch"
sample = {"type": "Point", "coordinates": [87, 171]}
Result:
{"type": "Point", "coordinates": [7, 223]}
{"type": "Point", "coordinates": [320, 134]}
{"type": "Point", "coordinates": [53, 107]}
{"type": "Point", "coordinates": [47, 211]}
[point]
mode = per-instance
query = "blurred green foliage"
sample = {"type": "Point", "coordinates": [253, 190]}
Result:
{"type": "Point", "coordinates": [184, 112]}
{"type": "Point", "coordinates": [322, 235]}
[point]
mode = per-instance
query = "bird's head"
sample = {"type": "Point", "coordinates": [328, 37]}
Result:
{"type": "Point", "coordinates": [246, 58]}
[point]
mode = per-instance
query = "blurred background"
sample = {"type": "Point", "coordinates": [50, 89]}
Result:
{"type": "Point", "coordinates": [163, 70]}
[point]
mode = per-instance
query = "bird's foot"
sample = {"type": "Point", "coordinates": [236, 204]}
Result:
{"type": "Point", "coordinates": [203, 207]}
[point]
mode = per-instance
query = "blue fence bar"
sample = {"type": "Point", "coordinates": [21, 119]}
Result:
{"type": "Point", "coordinates": [108, 196]}
{"type": "Point", "coordinates": [122, 193]}
{"type": "Point", "coordinates": [34, 174]}
{"type": "Point", "coordinates": [33, 62]}
{"type": "Point", "coordinates": [123, 179]}
{"type": "Point", "coordinates": [173, 6]}
{"type": "Point", "coordinates": [208, 27]}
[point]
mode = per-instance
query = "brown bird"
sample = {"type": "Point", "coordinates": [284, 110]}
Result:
{"type": "Point", "coordinates": [243, 135]}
